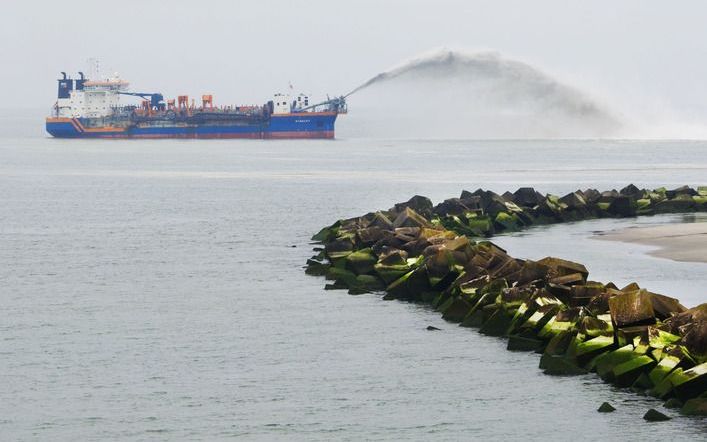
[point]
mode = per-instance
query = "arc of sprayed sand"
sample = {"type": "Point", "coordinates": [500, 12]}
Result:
{"type": "Point", "coordinates": [495, 60]}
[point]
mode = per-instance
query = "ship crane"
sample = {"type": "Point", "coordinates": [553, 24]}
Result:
{"type": "Point", "coordinates": [337, 104]}
{"type": "Point", "coordinates": [156, 99]}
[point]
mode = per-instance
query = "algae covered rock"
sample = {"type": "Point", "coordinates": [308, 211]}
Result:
{"type": "Point", "coordinates": [593, 347]}
{"type": "Point", "coordinates": [695, 407]}
{"type": "Point", "coordinates": [676, 205]}
{"type": "Point", "coordinates": [527, 197]}
{"type": "Point", "coordinates": [691, 324]}
{"type": "Point", "coordinates": [410, 218]}
{"type": "Point", "coordinates": [673, 403]}
{"type": "Point", "coordinates": [622, 206]}
{"type": "Point", "coordinates": [561, 365]}
{"type": "Point", "coordinates": [564, 267]}
{"type": "Point", "coordinates": [632, 191]}
{"type": "Point", "coordinates": [574, 200]}
{"type": "Point", "coordinates": [418, 204]}
{"type": "Point", "coordinates": [689, 383]}
{"type": "Point", "coordinates": [458, 206]}
{"type": "Point", "coordinates": [633, 308]}
{"type": "Point", "coordinates": [681, 191]}
{"type": "Point", "coordinates": [361, 261]}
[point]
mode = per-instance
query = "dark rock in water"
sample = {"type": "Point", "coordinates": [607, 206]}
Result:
{"type": "Point", "coordinates": [491, 202]}
{"type": "Point", "coordinates": [316, 268]}
{"type": "Point", "coordinates": [631, 191]}
{"type": "Point", "coordinates": [558, 345]}
{"type": "Point", "coordinates": [466, 194]}
{"type": "Point", "coordinates": [339, 248]}
{"type": "Point", "coordinates": [627, 373]}
{"type": "Point", "coordinates": [591, 196]}
{"type": "Point", "coordinates": [418, 203]}
{"type": "Point", "coordinates": [606, 408]}
{"type": "Point", "coordinates": [638, 390]}
{"type": "Point", "coordinates": [457, 206]}
{"type": "Point", "coordinates": [574, 200]}
{"type": "Point", "coordinates": [527, 197]}
{"type": "Point", "coordinates": [505, 221]}
{"type": "Point", "coordinates": [675, 205]}
{"type": "Point", "coordinates": [683, 190]}
{"type": "Point", "coordinates": [673, 403]}
{"type": "Point", "coordinates": [654, 415]}
{"type": "Point", "coordinates": [690, 383]}
{"type": "Point", "coordinates": [642, 383]}
{"type": "Point", "coordinates": [560, 365]}
{"type": "Point", "coordinates": [622, 206]}
{"type": "Point", "coordinates": [457, 310]}
{"type": "Point", "coordinates": [368, 283]}
{"type": "Point", "coordinates": [431, 328]}
{"type": "Point", "coordinates": [549, 210]}
{"type": "Point", "coordinates": [497, 323]}
{"type": "Point", "coordinates": [520, 343]}
{"type": "Point", "coordinates": [608, 196]}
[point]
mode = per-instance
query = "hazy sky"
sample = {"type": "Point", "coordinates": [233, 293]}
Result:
{"type": "Point", "coordinates": [650, 55]}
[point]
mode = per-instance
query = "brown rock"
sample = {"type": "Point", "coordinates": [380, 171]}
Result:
{"type": "Point", "coordinates": [632, 308]}
{"type": "Point", "coordinates": [563, 267]}
{"type": "Point", "coordinates": [410, 218]}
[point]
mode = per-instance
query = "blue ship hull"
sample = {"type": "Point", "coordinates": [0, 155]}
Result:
{"type": "Point", "coordinates": [295, 125]}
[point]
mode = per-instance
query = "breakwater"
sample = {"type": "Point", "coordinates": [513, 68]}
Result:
{"type": "Point", "coordinates": [438, 255]}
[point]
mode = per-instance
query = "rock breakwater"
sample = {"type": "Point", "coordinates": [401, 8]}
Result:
{"type": "Point", "coordinates": [438, 255]}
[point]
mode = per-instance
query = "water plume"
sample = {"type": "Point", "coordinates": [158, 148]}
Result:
{"type": "Point", "coordinates": [454, 94]}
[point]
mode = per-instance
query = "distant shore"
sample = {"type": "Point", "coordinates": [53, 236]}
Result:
{"type": "Point", "coordinates": [685, 242]}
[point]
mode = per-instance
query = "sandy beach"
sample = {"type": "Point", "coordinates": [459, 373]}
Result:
{"type": "Point", "coordinates": [679, 242]}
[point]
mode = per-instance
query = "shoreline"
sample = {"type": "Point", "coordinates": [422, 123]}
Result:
{"type": "Point", "coordinates": [684, 242]}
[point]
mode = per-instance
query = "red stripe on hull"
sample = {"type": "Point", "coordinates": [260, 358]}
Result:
{"type": "Point", "coordinates": [328, 134]}
{"type": "Point", "coordinates": [224, 136]}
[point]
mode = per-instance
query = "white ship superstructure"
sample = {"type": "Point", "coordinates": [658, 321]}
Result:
{"type": "Point", "coordinates": [84, 98]}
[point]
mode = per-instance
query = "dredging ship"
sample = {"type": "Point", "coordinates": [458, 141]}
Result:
{"type": "Point", "coordinates": [88, 108]}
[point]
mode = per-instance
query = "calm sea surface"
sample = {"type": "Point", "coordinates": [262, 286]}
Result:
{"type": "Point", "coordinates": [154, 290]}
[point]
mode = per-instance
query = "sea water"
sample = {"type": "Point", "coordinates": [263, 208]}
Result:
{"type": "Point", "coordinates": [154, 290]}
